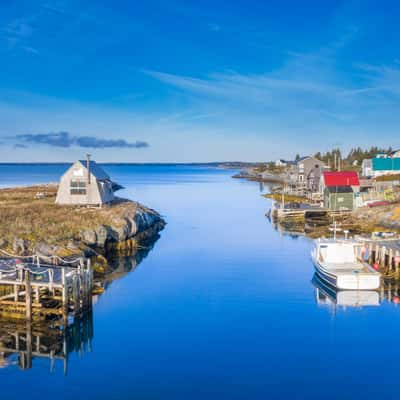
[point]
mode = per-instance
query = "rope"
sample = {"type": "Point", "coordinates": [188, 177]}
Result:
{"type": "Point", "coordinates": [37, 257]}
{"type": "Point", "coordinates": [14, 270]}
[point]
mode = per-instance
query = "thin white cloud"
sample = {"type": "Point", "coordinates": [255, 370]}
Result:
{"type": "Point", "coordinates": [19, 28]}
{"type": "Point", "coordinates": [384, 78]}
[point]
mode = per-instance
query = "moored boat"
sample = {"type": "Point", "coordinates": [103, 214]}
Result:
{"type": "Point", "coordinates": [337, 264]}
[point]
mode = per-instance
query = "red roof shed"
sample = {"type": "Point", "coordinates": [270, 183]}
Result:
{"type": "Point", "coordinates": [344, 178]}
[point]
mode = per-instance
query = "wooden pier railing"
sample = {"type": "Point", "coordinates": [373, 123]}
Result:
{"type": "Point", "coordinates": [384, 253]}
{"type": "Point", "coordinates": [31, 289]}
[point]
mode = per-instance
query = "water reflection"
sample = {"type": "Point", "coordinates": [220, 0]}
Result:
{"type": "Point", "coordinates": [21, 344]}
{"type": "Point", "coordinates": [331, 297]}
{"type": "Point", "coordinates": [326, 295]}
{"type": "Point", "coordinates": [121, 264]}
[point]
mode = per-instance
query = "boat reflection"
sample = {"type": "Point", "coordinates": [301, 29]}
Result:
{"type": "Point", "coordinates": [331, 297]}
{"type": "Point", "coordinates": [21, 343]}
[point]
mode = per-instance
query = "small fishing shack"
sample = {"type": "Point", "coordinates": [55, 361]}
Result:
{"type": "Point", "coordinates": [339, 189]}
{"type": "Point", "coordinates": [86, 183]}
{"type": "Point", "coordinates": [339, 198]}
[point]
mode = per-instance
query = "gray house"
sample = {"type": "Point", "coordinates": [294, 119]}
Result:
{"type": "Point", "coordinates": [86, 183]}
{"type": "Point", "coordinates": [305, 174]}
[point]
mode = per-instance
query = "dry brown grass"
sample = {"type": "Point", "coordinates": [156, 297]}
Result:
{"type": "Point", "coordinates": [388, 178]}
{"type": "Point", "coordinates": [288, 198]}
{"type": "Point", "coordinates": [396, 214]}
{"type": "Point", "coordinates": [24, 216]}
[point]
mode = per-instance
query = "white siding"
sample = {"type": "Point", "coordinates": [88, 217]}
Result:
{"type": "Point", "coordinates": [96, 193]}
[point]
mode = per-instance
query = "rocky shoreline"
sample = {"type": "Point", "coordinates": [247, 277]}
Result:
{"type": "Point", "coordinates": [38, 226]}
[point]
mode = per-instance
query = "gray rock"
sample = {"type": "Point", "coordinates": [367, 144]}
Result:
{"type": "Point", "coordinates": [46, 250]}
{"type": "Point", "coordinates": [89, 237]}
{"type": "Point", "coordinates": [20, 246]}
{"type": "Point", "coordinates": [102, 236]}
{"type": "Point", "coordinates": [134, 223]}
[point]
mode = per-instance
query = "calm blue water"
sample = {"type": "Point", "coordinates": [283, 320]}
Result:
{"type": "Point", "coordinates": [222, 308]}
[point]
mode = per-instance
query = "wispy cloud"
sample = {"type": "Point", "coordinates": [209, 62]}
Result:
{"type": "Point", "coordinates": [262, 88]}
{"type": "Point", "coordinates": [383, 77]}
{"type": "Point", "coordinates": [65, 140]}
{"type": "Point", "coordinates": [18, 34]}
{"type": "Point", "coordinates": [19, 28]}
{"type": "Point", "coordinates": [306, 80]}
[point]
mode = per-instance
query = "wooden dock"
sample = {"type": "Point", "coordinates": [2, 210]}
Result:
{"type": "Point", "coordinates": [384, 253]}
{"type": "Point", "coordinates": [31, 289]}
{"type": "Point", "coordinates": [304, 214]}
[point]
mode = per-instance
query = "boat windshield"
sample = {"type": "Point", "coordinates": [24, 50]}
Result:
{"type": "Point", "coordinates": [338, 253]}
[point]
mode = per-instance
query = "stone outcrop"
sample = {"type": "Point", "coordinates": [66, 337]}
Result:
{"type": "Point", "coordinates": [137, 223]}
{"type": "Point", "coordinates": [31, 224]}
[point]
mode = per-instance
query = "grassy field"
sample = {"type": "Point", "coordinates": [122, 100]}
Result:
{"type": "Point", "coordinates": [288, 198]}
{"type": "Point", "coordinates": [388, 178]}
{"type": "Point", "coordinates": [25, 214]}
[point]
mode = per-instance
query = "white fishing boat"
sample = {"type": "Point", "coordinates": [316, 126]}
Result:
{"type": "Point", "coordinates": [337, 264]}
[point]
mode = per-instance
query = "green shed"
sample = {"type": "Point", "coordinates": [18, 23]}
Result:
{"type": "Point", "coordinates": [338, 198]}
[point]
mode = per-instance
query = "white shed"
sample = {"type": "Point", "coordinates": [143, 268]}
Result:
{"type": "Point", "coordinates": [86, 183]}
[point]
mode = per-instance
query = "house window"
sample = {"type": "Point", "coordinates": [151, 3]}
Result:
{"type": "Point", "coordinates": [78, 187]}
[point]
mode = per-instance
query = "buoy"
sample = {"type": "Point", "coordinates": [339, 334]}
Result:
{"type": "Point", "coordinates": [375, 266]}
{"type": "Point", "coordinates": [396, 299]}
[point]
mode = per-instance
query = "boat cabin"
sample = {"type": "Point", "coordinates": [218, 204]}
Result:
{"type": "Point", "coordinates": [337, 252]}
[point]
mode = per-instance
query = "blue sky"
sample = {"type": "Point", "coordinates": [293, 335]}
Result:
{"type": "Point", "coordinates": [181, 81]}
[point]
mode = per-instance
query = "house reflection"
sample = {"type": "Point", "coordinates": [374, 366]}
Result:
{"type": "Point", "coordinates": [21, 343]}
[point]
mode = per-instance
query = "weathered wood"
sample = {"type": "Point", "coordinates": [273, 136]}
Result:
{"type": "Point", "coordinates": [385, 252]}
{"type": "Point", "coordinates": [28, 296]}
{"type": "Point", "coordinates": [66, 288]}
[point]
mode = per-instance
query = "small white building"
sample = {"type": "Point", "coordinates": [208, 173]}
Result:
{"type": "Point", "coordinates": [85, 183]}
{"type": "Point", "coordinates": [281, 163]}
{"type": "Point", "coordinates": [395, 154]}
{"type": "Point", "coordinates": [366, 167]}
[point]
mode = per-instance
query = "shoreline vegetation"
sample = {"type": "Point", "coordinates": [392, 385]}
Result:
{"type": "Point", "coordinates": [31, 223]}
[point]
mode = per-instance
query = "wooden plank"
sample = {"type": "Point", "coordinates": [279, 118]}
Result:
{"type": "Point", "coordinates": [28, 296]}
